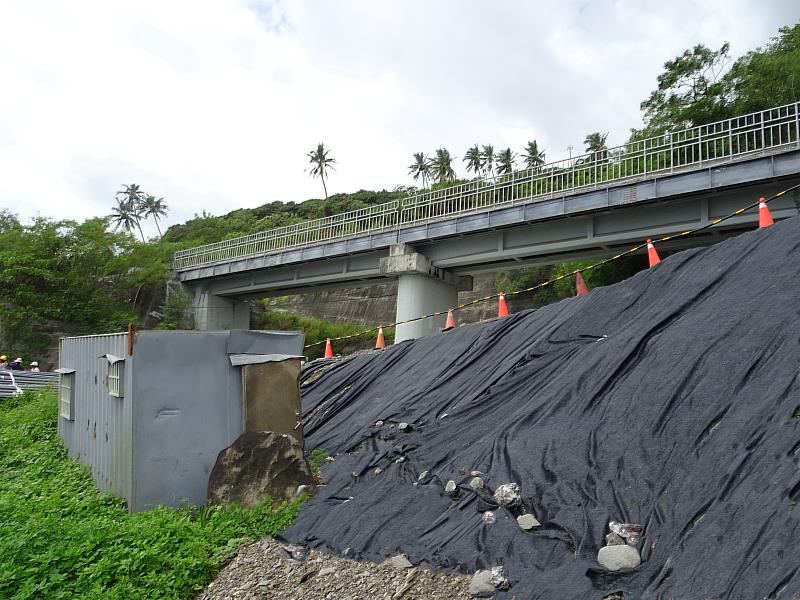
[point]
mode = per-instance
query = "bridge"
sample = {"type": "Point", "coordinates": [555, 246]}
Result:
{"type": "Point", "coordinates": [586, 206]}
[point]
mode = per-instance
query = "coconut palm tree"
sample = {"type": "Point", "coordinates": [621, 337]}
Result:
{"type": "Point", "coordinates": [126, 214]}
{"type": "Point", "coordinates": [505, 161]}
{"type": "Point", "coordinates": [153, 207]}
{"type": "Point", "coordinates": [421, 167]}
{"type": "Point", "coordinates": [596, 143]}
{"type": "Point", "coordinates": [473, 160]}
{"type": "Point", "coordinates": [320, 165]}
{"type": "Point", "coordinates": [532, 156]}
{"type": "Point", "coordinates": [487, 160]}
{"type": "Point", "coordinates": [442, 166]}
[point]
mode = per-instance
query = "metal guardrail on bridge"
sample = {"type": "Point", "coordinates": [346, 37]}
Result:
{"type": "Point", "coordinates": [27, 381]}
{"type": "Point", "coordinates": [724, 141]}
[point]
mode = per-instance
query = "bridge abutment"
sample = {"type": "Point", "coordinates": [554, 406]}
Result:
{"type": "Point", "coordinates": [422, 289]}
{"type": "Point", "coordinates": [213, 312]}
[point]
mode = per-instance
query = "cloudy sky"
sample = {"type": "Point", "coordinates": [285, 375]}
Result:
{"type": "Point", "coordinates": [215, 104]}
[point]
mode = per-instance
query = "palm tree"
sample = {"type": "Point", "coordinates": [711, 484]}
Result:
{"type": "Point", "coordinates": [320, 164]}
{"type": "Point", "coordinates": [595, 143]}
{"type": "Point", "coordinates": [421, 167]}
{"type": "Point", "coordinates": [473, 160]}
{"type": "Point", "coordinates": [487, 160]}
{"type": "Point", "coordinates": [128, 211]}
{"type": "Point", "coordinates": [126, 214]}
{"type": "Point", "coordinates": [154, 207]}
{"type": "Point", "coordinates": [442, 167]}
{"type": "Point", "coordinates": [505, 162]}
{"type": "Point", "coordinates": [533, 157]}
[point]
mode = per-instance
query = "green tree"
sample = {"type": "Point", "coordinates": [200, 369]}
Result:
{"type": "Point", "coordinates": [126, 214]}
{"type": "Point", "coordinates": [321, 164]}
{"type": "Point", "coordinates": [153, 207]}
{"type": "Point", "coordinates": [487, 160]}
{"type": "Point", "coordinates": [442, 166]}
{"type": "Point", "coordinates": [474, 160]}
{"type": "Point", "coordinates": [691, 90]}
{"type": "Point", "coordinates": [505, 162]}
{"type": "Point", "coordinates": [532, 156]}
{"type": "Point", "coordinates": [596, 144]}
{"type": "Point", "coordinates": [420, 168]}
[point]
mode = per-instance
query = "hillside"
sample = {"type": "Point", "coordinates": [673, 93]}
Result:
{"type": "Point", "coordinates": [669, 400]}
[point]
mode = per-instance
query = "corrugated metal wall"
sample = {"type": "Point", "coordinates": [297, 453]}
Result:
{"type": "Point", "coordinates": [100, 434]}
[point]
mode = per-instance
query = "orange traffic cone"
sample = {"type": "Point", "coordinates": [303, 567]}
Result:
{"type": "Point", "coordinates": [580, 284]}
{"type": "Point", "coordinates": [652, 255]}
{"type": "Point", "coordinates": [502, 307]}
{"type": "Point", "coordinates": [764, 216]}
{"type": "Point", "coordinates": [380, 343]}
{"type": "Point", "coordinates": [328, 349]}
{"type": "Point", "coordinates": [451, 320]}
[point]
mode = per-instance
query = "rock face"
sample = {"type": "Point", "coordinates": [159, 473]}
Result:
{"type": "Point", "coordinates": [619, 557]}
{"type": "Point", "coordinates": [259, 465]}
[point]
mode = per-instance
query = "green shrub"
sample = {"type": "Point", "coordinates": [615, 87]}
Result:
{"type": "Point", "coordinates": [61, 538]}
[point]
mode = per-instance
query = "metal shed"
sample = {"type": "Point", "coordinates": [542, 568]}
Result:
{"type": "Point", "coordinates": [149, 412]}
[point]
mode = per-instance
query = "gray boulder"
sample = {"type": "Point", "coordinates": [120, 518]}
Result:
{"type": "Point", "coordinates": [481, 585]}
{"type": "Point", "coordinates": [257, 466]}
{"type": "Point", "coordinates": [619, 557]}
{"type": "Point", "coordinates": [527, 521]}
{"type": "Point", "coordinates": [508, 495]}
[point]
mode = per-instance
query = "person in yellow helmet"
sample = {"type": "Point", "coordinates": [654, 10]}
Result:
{"type": "Point", "coordinates": [3, 362]}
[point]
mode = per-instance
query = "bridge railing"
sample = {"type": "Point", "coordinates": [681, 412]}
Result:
{"type": "Point", "coordinates": [723, 141]}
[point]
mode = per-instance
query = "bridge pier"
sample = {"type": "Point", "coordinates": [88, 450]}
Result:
{"type": "Point", "coordinates": [422, 289]}
{"type": "Point", "coordinates": [213, 312]}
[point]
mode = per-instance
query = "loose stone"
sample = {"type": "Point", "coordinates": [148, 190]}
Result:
{"type": "Point", "coordinates": [527, 522]}
{"type": "Point", "coordinates": [508, 494]}
{"type": "Point", "coordinates": [619, 558]}
{"type": "Point", "coordinates": [476, 483]}
{"type": "Point", "coordinates": [489, 517]}
{"type": "Point", "coordinates": [450, 487]}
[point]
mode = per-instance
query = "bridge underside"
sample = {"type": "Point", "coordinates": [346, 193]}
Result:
{"type": "Point", "coordinates": [594, 223]}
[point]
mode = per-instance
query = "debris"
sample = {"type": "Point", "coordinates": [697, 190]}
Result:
{"type": "Point", "coordinates": [489, 517]}
{"type": "Point", "coordinates": [325, 572]}
{"type": "Point", "coordinates": [296, 552]}
{"type": "Point", "coordinates": [476, 474]}
{"type": "Point", "coordinates": [378, 423]}
{"type": "Point", "coordinates": [499, 580]}
{"type": "Point", "coordinates": [631, 532]}
{"type": "Point", "coordinates": [527, 522]}
{"type": "Point", "coordinates": [378, 471]}
{"type": "Point", "coordinates": [619, 558]}
{"type": "Point", "coordinates": [476, 483]}
{"type": "Point", "coordinates": [508, 495]}
{"type": "Point", "coordinates": [422, 476]}
{"type": "Point", "coordinates": [404, 427]}
{"type": "Point", "coordinates": [612, 539]}
{"type": "Point", "coordinates": [401, 459]}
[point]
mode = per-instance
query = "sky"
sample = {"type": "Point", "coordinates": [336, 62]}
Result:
{"type": "Point", "coordinates": [214, 105]}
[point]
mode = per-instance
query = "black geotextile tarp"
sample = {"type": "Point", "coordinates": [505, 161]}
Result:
{"type": "Point", "coordinates": [665, 400]}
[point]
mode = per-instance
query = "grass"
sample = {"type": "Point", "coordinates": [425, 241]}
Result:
{"type": "Point", "coordinates": [61, 538]}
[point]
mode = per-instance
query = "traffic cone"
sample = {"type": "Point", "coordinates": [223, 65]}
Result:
{"type": "Point", "coordinates": [328, 349]}
{"type": "Point", "coordinates": [652, 255]}
{"type": "Point", "coordinates": [580, 284]}
{"type": "Point", "coordinates": [380, 343]}
{"type": "Point", "coordinates": [451, 320]}
{"type": "Point", "coordinates": [764, 216]}
{"type": "Point", "coordinates": [502, 307]}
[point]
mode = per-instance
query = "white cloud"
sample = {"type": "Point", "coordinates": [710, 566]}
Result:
{"type": "Point", "coordinates": [214, 105]}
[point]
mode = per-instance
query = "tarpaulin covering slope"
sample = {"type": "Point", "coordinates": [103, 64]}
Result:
{"type": "Point", "coordinates": [670, 399]}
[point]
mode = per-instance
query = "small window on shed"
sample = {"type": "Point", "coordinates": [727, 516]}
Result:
{"type": "Point", "coordinates": [116, 376]}
{"type": "Point", "coordinates": [66, 393]}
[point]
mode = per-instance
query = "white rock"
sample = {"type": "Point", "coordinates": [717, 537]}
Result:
{"type": "Point", "coordinates": [481, 585]}
{"type": "Point", "coordinates": [476, 474]}
{"type": "Point", "coordinates": [619, 558]}
{"type": "Point", "coordinates": [450, 487]}
{"type": "Point", "coordinates": [499, 580]}
{"type": "Point", "coordinates": [489, 518]}
{"type": "Point", "coordinates": [401, 459]}
{"type": "Point", "coordinates": [527, 522]}
{"type": "Point", "coordinates": [378, 471]}
{"type": "Point", "coordinates": [508, 494]}
{"type": "Point", "coordinates": [399, 562]}
{"type": "Point", "coordinates": [612, 539]}
{"type": "Point", "coordinates": [402, 426]}
{"type": "Point", "coordinates": [476, 483]}
{"type": "Point", "coordinates": [378, 423]}
{"type": "Point", "coordinates": [422, 476]}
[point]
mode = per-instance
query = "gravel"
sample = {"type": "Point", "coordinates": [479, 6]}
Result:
{"type": "Point", "coordinates": [264, 571]}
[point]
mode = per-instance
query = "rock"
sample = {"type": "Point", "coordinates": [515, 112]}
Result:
{"type": "Point", "coordinates": [401, 459]}
{"type": "Point", "coordinates": [378, 423]}
{"type": "Point", "coordinates": [508, 495]}
{"type": "Point", "coordinates": [450, 488]}
{"type": "Point", "coordinates": [612, 539]}
{"type": "Point", "coordinates": [422, 476]}
{"type": "Point", "coordinates": [626, 530]}
{"type": "Point", "coordinates": [378, 471]}
{"type": "Point", "coordinates": [296, 552]}
{"type": "Point", "coordinates": [476, 483]}
{"type": "Point", "coordinates": [259, 465]}
{"type": "Point", "coordinates": [499, 580]}
{"type": "Point", "coordinates": [527, 522]}
{"type": "Point", "coordinates": [404, 427]}
{"type": "Point", "coordinates": [489, 517]}
{"type": "Point", "coordinates": [481, 585]}
{"type": "Point", "coordinates": [302, 489]}
{"type": "Point", "coordinates": [619, 558]}
{"type": "Point", "coordinates": [399, 561]}
{"type": "Point", "coordinates": [325, 572]}
{"type": "Point", "coordinates": [476, 474]}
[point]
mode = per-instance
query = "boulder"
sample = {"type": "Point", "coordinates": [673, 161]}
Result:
{"type": "Point", "coordinates": [257, 466]}
{"type": "Point", "coordinates": [619, 557]}
{"type": "Point", "coordinates": [508, 495]}
{"type": "Point", "coordinates": [527, 521]}
{"type": "Point", "coordinates": [481, 585]}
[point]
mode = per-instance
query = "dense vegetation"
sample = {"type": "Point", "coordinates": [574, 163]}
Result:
{"type": "Point", "coordinates": [61, 538]}
{"type": "Point", "coordinates": [92, 279]}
